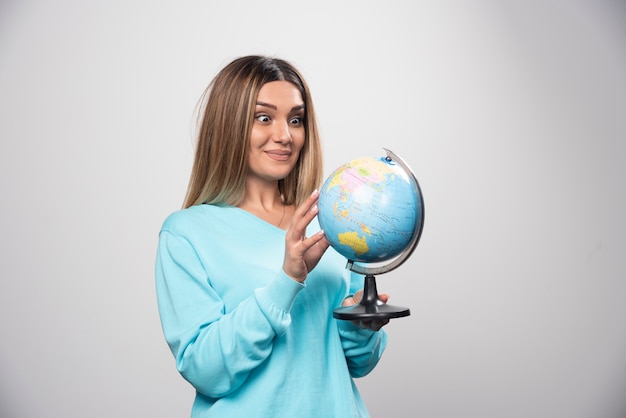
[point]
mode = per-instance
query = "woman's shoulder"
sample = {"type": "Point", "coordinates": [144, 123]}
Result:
{"type": "Point", "coordinates": [188, 219]}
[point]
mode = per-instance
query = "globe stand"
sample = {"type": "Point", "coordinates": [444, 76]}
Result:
{"type": "Point", "coordinates": [371, 307]}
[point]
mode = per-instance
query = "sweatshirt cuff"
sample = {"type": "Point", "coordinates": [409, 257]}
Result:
{"type": "Point", "coordinates": [280, 293]}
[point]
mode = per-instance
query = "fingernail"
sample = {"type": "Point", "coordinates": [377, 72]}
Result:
{"type": "Point", "coordinates": [314, 209]}
{"type": "Point", "coordinates": [315, 193]}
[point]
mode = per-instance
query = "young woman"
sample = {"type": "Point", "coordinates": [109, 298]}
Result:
{"type": "Point", "coordinates": [246, 282]}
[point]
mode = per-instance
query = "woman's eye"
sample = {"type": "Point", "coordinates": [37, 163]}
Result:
{"type": "Point", "coordinates": [262, 118]}
{"type": "Point", "coordinates": [296, 121]}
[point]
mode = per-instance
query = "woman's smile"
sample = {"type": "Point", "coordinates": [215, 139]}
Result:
{"type": "Point", "coordinates": [279, 155]}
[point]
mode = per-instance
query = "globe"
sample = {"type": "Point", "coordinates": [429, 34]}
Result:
{"type": "Point", "coordinates": [371, 209]}
{"type": "Point", "coordinates": [372, 212]}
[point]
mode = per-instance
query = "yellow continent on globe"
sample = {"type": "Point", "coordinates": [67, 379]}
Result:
{"type": "Point", "coordinates": [352, 240]}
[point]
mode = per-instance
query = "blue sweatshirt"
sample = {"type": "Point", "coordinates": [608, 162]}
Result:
{"type": "Point", "coordinates": [252, 341]}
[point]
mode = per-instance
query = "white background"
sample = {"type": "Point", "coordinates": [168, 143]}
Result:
{"type": "Point", "coordinates": [512, 114]}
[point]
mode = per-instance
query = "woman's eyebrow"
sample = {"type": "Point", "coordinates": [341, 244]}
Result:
{"type": "Point", "coordinates": [271, 106]}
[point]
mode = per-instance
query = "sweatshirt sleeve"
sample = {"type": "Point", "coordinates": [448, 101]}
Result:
{"type": "Point", "coordinates": [216, 351]}
{"type": "Point", "coordinates": [363, 348]}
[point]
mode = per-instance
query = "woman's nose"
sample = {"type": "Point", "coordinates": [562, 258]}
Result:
{"type": "Point", "coordinates": [281, 132]}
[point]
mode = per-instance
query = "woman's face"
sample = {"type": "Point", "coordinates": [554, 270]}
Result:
{"type": "Point", "coordinates": [277, 131]}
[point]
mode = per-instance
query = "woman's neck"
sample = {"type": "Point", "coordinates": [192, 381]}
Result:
{"type": "Point", "coordinates": [265, 202]}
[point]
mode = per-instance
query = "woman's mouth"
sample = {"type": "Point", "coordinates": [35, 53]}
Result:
{"type": "Point", "coordinates": [279, 155]}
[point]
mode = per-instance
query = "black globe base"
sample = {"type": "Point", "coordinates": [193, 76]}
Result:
{"type": "Point", "coordinates": [370, 307]}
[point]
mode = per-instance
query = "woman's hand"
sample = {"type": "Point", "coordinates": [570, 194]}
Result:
{"type": "Point", "coordinates": [371, 324]}
{"type": "Point", "coordinates": [302, 253]}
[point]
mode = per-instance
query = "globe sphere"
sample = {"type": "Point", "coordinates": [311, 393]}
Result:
{"type": "Point", "coordinates": [369, 209]}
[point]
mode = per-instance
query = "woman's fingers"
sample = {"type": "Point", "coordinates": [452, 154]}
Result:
{"type": "Point", "coordinates": [302, 253]}
{"type": "Point", "coordinates": [371, 324]}
{"type": "Point", "coordinates": [314, 252]}
{"type": "Point", "coordinates": [356, 298]}
{"type": "Point", "coordinates": [303, 216]}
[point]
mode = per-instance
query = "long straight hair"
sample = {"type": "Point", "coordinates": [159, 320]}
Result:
{"type": "Point", "coordinates": [225, 119]}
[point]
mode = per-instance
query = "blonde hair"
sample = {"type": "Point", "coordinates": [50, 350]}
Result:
{"type": "Point", "coordinates": [225, 124]}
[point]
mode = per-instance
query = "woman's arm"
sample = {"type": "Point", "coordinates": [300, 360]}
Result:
{"type": "Point", "coordinates": [216, 351]}
{"type": "Point", "coordinates": [363, 348]}
{"type": "Point", "coordinates": [363, 343]}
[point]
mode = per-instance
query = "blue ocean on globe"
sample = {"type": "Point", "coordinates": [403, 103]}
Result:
{"type": "Point", "coordinates": [369, 209]}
